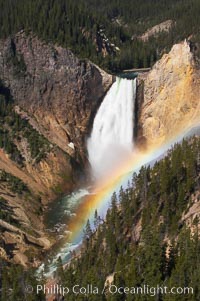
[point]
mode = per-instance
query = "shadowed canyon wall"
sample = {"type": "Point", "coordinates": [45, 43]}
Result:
{"type": "Point", "coordinates": [57, 95]}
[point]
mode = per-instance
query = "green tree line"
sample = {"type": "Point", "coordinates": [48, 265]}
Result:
{"type": "Point", "coordinates": [164, 252]}
{"type": "Point", "coordinates": [13, 128]}
{"type": "Point", "coordinates": [76, 24]}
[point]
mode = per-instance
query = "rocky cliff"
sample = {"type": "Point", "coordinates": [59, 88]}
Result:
{"type": "Point", "coordinates": [170, 101]}
{"type": "Point", "coordinates": [52, 99]}
{"type": "Point", "coordinates": [48, 101]}
{"type": "Point", "coordinates": [54, 87]}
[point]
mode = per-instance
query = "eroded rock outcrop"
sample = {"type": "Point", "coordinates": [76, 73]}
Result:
{"type": "Point", "coordinates": [57, 89]}
{"type": "Point", "coordinates": [171, 101]}
{"type": "Point", "coordinates": [157, 29]}
{"type": "Point", "coordinates": [57, 95]}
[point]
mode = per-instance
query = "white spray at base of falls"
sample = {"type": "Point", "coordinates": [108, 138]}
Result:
{"type": "Point", "coordinates": [111, 140]}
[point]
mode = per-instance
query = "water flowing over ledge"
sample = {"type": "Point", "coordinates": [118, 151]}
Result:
{"type": "Point", "coordinates": [111, 139]}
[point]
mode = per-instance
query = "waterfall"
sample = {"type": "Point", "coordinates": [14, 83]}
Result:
{"type": "Point", "coordinates": [111, 140]}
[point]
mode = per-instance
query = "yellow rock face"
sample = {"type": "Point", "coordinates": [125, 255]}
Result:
{"type": "Point", "coordinates": [171, 96]}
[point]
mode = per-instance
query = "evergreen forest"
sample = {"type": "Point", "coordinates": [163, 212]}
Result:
{"type": "Point", "coordinates": [150, 235]}
{"type": "Point", "coordinates": [106, 32]}
{"type": "Point", "coordinates": [145, 238]}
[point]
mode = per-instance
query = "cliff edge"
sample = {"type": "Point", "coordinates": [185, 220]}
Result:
{"type": "Point", "coordinates": [171, 92]}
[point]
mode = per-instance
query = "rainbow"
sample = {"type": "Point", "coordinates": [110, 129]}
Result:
{"type": "Point", "coordinates": [101, 194]}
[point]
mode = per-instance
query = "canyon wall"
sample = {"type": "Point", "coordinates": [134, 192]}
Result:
{"type": "Point", "coordinates": [57, 96]}
{"type": "Point", "coordinates": [54, 96]}
{"type": "Point", "coordinates": [170, 101]}
{"type": "Point", "coordinates": [59, 91]}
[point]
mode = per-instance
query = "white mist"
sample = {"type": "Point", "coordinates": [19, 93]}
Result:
{"type": "Point", "coordinates": [111, 140]}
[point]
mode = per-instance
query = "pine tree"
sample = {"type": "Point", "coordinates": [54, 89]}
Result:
{"type": "Point", "coordinates": [97, 219]}
{"type": "Point", "coordinates": [60, 270]}
{"type": "Point", "coordinates": [87, 231]}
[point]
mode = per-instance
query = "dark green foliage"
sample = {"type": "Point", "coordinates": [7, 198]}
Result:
{"type": "Point", "coordinates": [7, 213]}
{"type": "Point", "coordinates": [9, 147]}
{"type": "Point", "coordinates": [97, 220]}
{"type": "Point", "coordinates": [16, 283]}
{"type": "Point", "coordinates": [15, 184]}
{"type": "Point", "coordinates": [87, 231]}
{"type": "Point", "coordinates": [13, 128]}
{"type": "Point", "coordinates": [157, 197]}
{"type": "Point", "coordinates": [60, 270]}
{"type": "Point", "coordinates": [39, 145]}
{"type": "Point", "coordinates": [7, 119]}
{"type": "Point", "coordinates": [83, 24]}
{"type": "Point", "coordinates": [17, 61]}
